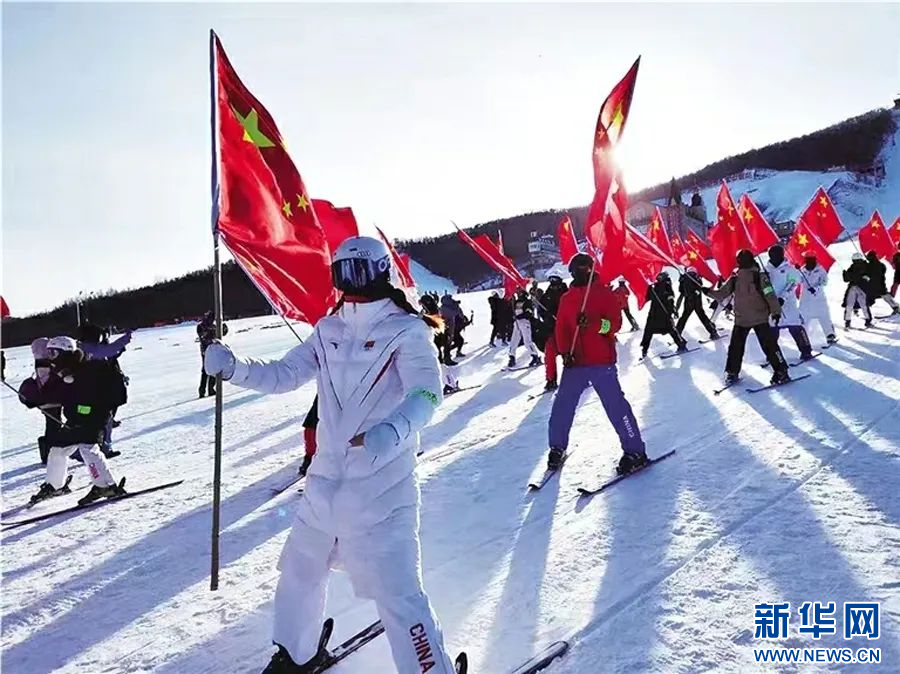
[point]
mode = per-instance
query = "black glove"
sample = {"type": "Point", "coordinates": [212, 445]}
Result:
{"type": "Point", "coordinates": [776, 318]}
{"type": "Point", "coordinates": [568, 359]}
{"type": "Point", "coordinates": [704, 290]}
{"type": "Point", "coordinates": [781, 301]}
{"type": "Point", "coordinates": [582, 320]}
{"type": "Point", "coordinates": [812, 291]}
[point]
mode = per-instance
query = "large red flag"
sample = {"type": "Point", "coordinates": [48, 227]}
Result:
{"type": "Point", "coordinates": [803, 242]}
{"type": "Point", "coordinates": [691, 259]}
{"type": "Point", "coordinates": [699, 245]}
{"type": "Point", "coordinates": [611, 120]}
{"type": "Point", "coordinates": [762, 236]}
{"type": "Point", "coordinates": [657, 234]}
{"type": "Point", "coordinates": [638, 283]}
{"type": "Point", "coordinates": [565, 237]}
{"type": "Point", "coordinates": [402, 265]}
{"type": "Point", "coordinates": [509, 285]}
{"type": "Point", "coordinates": [894, 231]}
{"type": "Point", "coordinates": [638, 252]}
{"type": "Point", "coordinates": [489, 252]}
{"type": "Point", "coordinates": [337, 223]}
{"type": "Point", "coordinates": [4, 308]}
{"type": "Point", "coordinates": [728, 235]}
{"type": "Point", "coordinates": [263, 211]}
{"type": "Point", "coordinates": [874, 236]}
{"type": "Point", "coordinates": [822, 218]}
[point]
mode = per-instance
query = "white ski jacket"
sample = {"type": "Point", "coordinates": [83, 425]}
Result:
{"type": "Point", "coordinates": [814, 304]}
{"type": "Point", "coordinates": [375, 363]}
{"type": "Point", "coordinates": [784, 281]}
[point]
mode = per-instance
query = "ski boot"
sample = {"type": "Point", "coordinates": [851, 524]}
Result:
{"type": "Point", "coordinates": [631, 462]}
{"type": "Point", "coordinates": [681, 348]}
{"type": "Point", "coordinates": [643, 354]}
{"type": "Point", "coordinates": [307, 459]}
{"type": "Point", "coordinates": [551, 385]}
{"type": "Point", "coordinates": [512, 362]}
{"type": "Point", "coordinates": [868, 322]}
{"type": "Point", "coordinates": [450, 389]}
{"type": "Point", "coordinates": [715, 334]}
{"type": "Point", "coordinates": [461, 666]}
{"type": "Point", "coordinates": [780, 377]}
{"type": "Point", "coordinates": [555, 458]}
{"type": "Point", "coordinates": [48, 491]}
{"type": "Point", "coordinates": [731, 378]}
{"type": "Point", "coordinates": [535, 361]}
{"type": "Point", "coordinates": [281, 662]}
{"type": "Point", "coordinates": [830, 339]}
{"type": "Point", "coordinates": [806, 356]}
{"type": "Point", "coordinates": [116, 423]}
{"type": "Point", "coordinates": [109, 452]}
{"type": "Point", "coordinates": [846, 325]}
{"type": "Point", "coordinates": [109, 491]}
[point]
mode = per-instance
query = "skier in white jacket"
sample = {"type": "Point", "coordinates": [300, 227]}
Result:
{"type": "Point", "coordinates": [813, 303]}
{"type": "Point", "coordinates": [379, 382]}
{"type": "Point", "coordinates": [784, 279]}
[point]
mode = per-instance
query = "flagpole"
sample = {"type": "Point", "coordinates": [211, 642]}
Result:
{"type": "Point", "coordinates": [217, 306]}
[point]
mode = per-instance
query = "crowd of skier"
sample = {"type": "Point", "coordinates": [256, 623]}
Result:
{"type": "Point", "coordinates": [382, 366]}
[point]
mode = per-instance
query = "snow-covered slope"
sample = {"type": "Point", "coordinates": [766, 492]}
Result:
{"type": "Point", "coordinates": [428, 281]}
{"type": "Point", "coordinates": [789, 495]}
{"type": "Point", "coordinates": [786, 193]}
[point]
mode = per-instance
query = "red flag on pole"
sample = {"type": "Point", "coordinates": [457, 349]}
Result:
{"type": "Point", "coordinates": [264, 215]}
{"type": "Point", "coordinates": [691, 259]}
{"type": "Point", "coordinates": [638, 283]}
{"type": "Point", "coordinates": [4, 308]}
{"type": "Point", "coordinates": [762, 236]}
{"type": "Point", "coordinates": [509, 286]}
{"type": "Point", "coordinates": [804, 242]}
{"type": "Point", "coordinates": [894, 231]}
{"type": "Point", "coordinates": [488, 251]}
{"type": "Point", "coordinates": [657, 234]}
{"type": "Point", "coordinates": [874, 236]}
{"type": "Point", "coordinates": [337, 223]}
{"type": "Point", "coordinates": [728, 235]}
{"type": "Point", "coordinates": [699, 245]}
{"type": "Point", "coordinates": [402, 265]}
{"type": "Point", "coordinates": [565, 237]}
{"type": "Point", "coordinates": [822, 218]}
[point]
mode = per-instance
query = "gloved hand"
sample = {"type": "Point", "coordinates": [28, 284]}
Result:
{"type": "Point", "coordinates": [568, 360]}
{"type": "Point", "coordinates": [704, 290]}
{"type": "Point", "coordinates": [776, 318]}
{"type": "Point", "coordinates": [582, 320]}
{"type": "Point", "coordinates": [380, 438]}
{"type": "Point", "coordinates": [812, 291]}
{"type": "Point", "coordinates": [781, 301]}
{"type": "Point", "coordinates": [219, 359]}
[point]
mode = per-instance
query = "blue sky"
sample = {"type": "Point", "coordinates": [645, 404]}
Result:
{"type": "Point", "coordinates": [413, 115]}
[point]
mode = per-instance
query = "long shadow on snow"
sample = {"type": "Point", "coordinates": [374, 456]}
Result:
{"type": "Point", "coordinates": [144, 575]}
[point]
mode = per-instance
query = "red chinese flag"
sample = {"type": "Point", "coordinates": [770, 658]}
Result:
{"type": "Point", "coordinates": [611, 120]}
{"type": "Point", "coordinates": [337, 223]}
{"type": "Point", "coordinates": [762, 236]}
{"type": "Point", "coordinates": [822, 218]}
{"type": "Point", "coordinates": [568, 247]}
{"type": "Point", "coordinates": [638, 283]}
{"type": "Point", "coordinates": [509, 286]}
{"type": "Point", "coordinates": [264, 215]}
{"type": "Point", "coordinates": [803, 242]}
{"type": "Point", "coordinates": [699, 245]}
{"type": "Point", "coordinates": [489, 252]}
{"type": "Point", "coordinates": [874, 236]}
{"type": "Point", "coordinates": [894, 231]}
{"type": "Point", "coordinates": [4, 308]}
{"type": "Point", "coordinates": [402, 266]}
{"type": "Point", "coordinates": [637, 253]}
{"type": "Point", "coordinates": [691, 259]}
{"type": "Point", "coordinates": [728, 235]}
{"type": "Point", "coordinates": [657, 234]}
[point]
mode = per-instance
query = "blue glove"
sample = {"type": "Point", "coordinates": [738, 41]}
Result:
{"type": "Point", "coordinates": [380, 438]}
{"type": "Point", "coordinates": [219, 360]}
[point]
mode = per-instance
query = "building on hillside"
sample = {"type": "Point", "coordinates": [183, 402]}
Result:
{"type": "Point", "coordinates": [679, 218]}
{"type": "Point", "coordinates": [542, 252]}
{"type": "Point", "coordinates": [784, 229]}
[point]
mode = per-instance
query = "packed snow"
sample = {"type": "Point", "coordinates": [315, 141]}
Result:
{"type": "Point", "coordinates": [787, 495]}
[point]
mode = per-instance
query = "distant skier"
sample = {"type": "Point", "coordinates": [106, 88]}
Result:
{"type": "Point", "coordinates": [813, 303]}
{"type": "Point", "coordinates": [660, 317]}
{"type": "Point", "coordinates": [785, 279]}
{"type": "Point", "coordinates": [878, 282]}
{"type": "Point", "coordinates": [588, 341]}
{"type": "Point", "coordinates": [690, 292]}
{"type": "Point", "coordinates": [858, 293]}
{"type": "Point", "coordinates": [494, 301]}
{"type": "Point", "coordinates": [523, 314]}
{"type": "Point", "coordinates": [754, 303]}
{"type": "Point", "coordinates": [206, 333]}
{"type": "Point", "coordinates": [621, 291]}
{"type": "Point", "coordinates": [547, 313]}
{"type": "Point", "coordinates": [377, 389]}
{"type": "Point", "coordinates": [82, 388]}
{"type": "Point", "coordinates": [450, 313]}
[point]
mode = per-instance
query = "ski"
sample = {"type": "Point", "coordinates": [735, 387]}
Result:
{"type": "Point", "coordinates": [544, 658]}
{"type": "Point", "coordinates": [664, 356]}
{"type": "Point", "coordinates": [95, 504]}
{"type": "Point", "coordinates": [770, 386]}
{"type": "Point", "coordinates": [521, 367]}
{"type": "Point", "coordinates": [585, 491]}
{"type": "Point", "coordinates": [287, 485]}
{"type": "Point", "coordinates": [542, 393]}
{"type": "Point", "coordinates": [800, 362]}
{"type": "Point", "coordinates": [349, 647]}
{"type": "Point", "coordinates": [883, 318]}
{"type": "Point", "coordinates": [534, 485]}
{"type": "Point", "coordinates": [462, 388]}
{"type": "Point", "coordinates": [725, 387]}
{"type": "Point", "coordinates": [722, 335]}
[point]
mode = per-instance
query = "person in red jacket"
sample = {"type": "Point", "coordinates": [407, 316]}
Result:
{"type": "Point", "coordinates": [621, 291]}
{"type": "Point", "coordinates": [586, 335]}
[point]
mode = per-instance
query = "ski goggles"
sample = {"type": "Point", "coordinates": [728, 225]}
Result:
{"type": "Point", "coordinates": [357, 272]}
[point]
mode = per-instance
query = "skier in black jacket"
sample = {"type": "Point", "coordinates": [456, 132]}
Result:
{"type": "Point", "coordinates": [689, 287]}
{"type": "Point", "coordinates": [206, 333]}
{"type": "Point", "coordinates": [878, 282]}
{"type": "Point", "coordinates": [662, 309]}
{"type": "Point", "coordinates": [547, 313]}
{"type": "Point", "coordinates": [87, 395]}
{"type": "Point", "coordinates": [859, 293]}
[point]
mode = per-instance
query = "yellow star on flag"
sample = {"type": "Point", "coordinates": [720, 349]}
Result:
{"type": "Point", "coordinates": [824, 201]}
{"type": "Point", "coordinates": [730, 209]}
{"type": "Point", "coordinates": [748, 214]}
{"type": "Point", "coordinates": [692, 255]}
{"type": "Point", "coordinates": [287, 209]}
{"type": "Point", "coordinates": [618, 118]}
{"type": "Point", "coordinates": [802, 239]}
{"type": "Point", "coordinates": [252, 134]}
{"type": "Point", "coordinates": [302, 202]}
{"type": "Point", "coordinates": [875, 223]}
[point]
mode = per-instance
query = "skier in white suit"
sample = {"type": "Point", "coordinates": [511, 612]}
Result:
{"type": "Point", "coordinates": [378, 382]}
{"type": "Point", "coordinates": [784, 279]}
{"type": "Point", "coordinates": [813, 303]}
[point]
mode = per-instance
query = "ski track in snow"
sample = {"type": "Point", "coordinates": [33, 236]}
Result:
{"type": "Point", "coordinates": [787, 495]}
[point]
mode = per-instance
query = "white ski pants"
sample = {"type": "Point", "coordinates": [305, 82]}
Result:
{"type": "Point", "coordinates": [383, 564]}
{"type": "Point", "coordinates": [816, 310]}
{"type": "Point", "coordinates": [522, 328]}
{"type": "Point", "coordinates": [855, 297]}
{"type": "Point", "coordinates": [58, 460]}
{"type": "Point", "coordinates": [891, 301]}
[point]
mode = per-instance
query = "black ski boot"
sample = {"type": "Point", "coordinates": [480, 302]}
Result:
{"type": "Point", "coordinates": [96, 493]}
{"type": "Point", "coordinates": [780, 377]}
{"type": "Point", "coordinates": [806, 356]}
{"type": "Point", "coordinates": [281, 662]}
{"type": "Point", "coordinates": [535, 361]}
{"type": "Point", "coordinates": [307, 459]}
{"type": "Point", "coordinates": [555, 458]}
{"type": "Point", "coordinates": [868, 322]}
{"type": "Point", "coordinates": [846, 325]}
{"type": "Point", "coordinates": [462, 664]}
{"type": "Point", "coordinates": [731, 378]}
{"type": "Point", "coordinates": [631, 462]}
{"type": "Point", "coordinates": [512, 362]}
{"type": "Point", "coordinates": [831, 339]}
{"type": "Point", "coordinates": [551, 385]}
{"type": "Point", "coordinates": [48, 491]}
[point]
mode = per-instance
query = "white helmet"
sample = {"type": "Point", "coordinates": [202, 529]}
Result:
{"type": "Point", "coordinates": [62, 343]}
{"type": "Point", "coordinates": [362, 266]}
{"type": "Point", "coordinates": [858, 256]}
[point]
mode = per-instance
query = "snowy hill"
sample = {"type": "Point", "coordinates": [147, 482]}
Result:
{"type": "Point", "coordinates": [784, 496]}
{"type": "Point", "coordinates": [426, 281]}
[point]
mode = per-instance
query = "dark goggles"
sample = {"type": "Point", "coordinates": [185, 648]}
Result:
{"type": "Point", "coordinates": [355, 273]}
